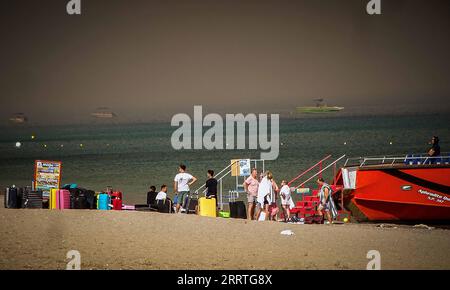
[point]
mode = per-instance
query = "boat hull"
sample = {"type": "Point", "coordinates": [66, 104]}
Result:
{"type": "Point", "coordinates": [317, 110]}
{"type": "Point", "coordinates": [420, 193]}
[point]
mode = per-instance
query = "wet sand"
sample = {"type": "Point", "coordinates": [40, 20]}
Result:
{"type": "Point", "coordinates": [40, 239]}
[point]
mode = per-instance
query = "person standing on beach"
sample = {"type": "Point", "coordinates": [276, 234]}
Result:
{"type": "Point", "coordinates": [251, 185]}
{"type": "Point", "coordinates": [211, 187]}
{"type": "Point", "coordinates": [326, 201]}
{"type": "Point", "coordinates": [273, 206]}
{"type": "Point", "coordinates": [285, 194]}
{"type": "Point", "coordinates": [265, 195]}
{"type": "Point", "coordinates": [181, 184]}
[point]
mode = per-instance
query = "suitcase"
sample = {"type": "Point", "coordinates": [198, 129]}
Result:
{"type": "Point", "coordinates": [164, 205]}
{"type": "Point", "coordinates": [116, 200]}
{"type": "Point", "coordinates": [117, 204]}
{"type": "Point", "coordinates": [103, 201]}
{"type": "Point", "coordinates": [78, 198]}
{"type": "Point", "coordinates": [52, 198]}
{"type": "Point", "coordinates": [91, 200]}
{"type": "Point", "coordinates": [63, 199]}
{"type": "Point", "coordinates": [11, 197]}
{"type": "Point", "coordinates": [191, 204]}
{"type": "Point", "coordinates": [207, 207]}
{"type": "Point", "coordinates": [237, 210]}
{"type": "Point", "coordinates": [116, 194]}
{"type": "Point", "coordinates": [32, 199]}
{"type": "Point", "coordinates": [20, 192]}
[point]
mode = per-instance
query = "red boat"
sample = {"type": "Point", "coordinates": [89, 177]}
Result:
{"type": "Point", "coordinates": [408, 188]}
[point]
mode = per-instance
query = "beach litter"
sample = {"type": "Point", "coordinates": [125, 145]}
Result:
{"type": "Point", "coordinates": [422, 226]}
{"type": "Point", "coordinates": [386, 226]}
{"type": "Point", "coordinates": [287, 233]}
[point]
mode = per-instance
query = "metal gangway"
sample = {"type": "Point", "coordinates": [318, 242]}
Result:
{"type": "Point", "coordinates": [318, 174]}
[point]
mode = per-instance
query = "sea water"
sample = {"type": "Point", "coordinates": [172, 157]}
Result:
{"type": "Point", "coordinates": [131, 157]}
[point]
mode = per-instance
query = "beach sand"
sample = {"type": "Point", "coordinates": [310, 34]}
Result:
{"type": "Point", "coordinates": [40, 239]}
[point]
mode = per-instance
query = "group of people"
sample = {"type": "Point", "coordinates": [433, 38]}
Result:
{"type": "Point", "coordinates": [182, 187]}
{"type": "Point", "coordinates": [262, 195]}
{"type": "Point", "coordinates": [263, 192]}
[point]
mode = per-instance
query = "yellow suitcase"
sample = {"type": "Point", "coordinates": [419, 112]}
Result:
{"type": "Point", "coordinates": [207, 206]}
{"type": "Point", "coordinates": [52, 198]}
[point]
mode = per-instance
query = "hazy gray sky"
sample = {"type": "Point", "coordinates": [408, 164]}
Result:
{"type": "Point", "coordinates": [145, 58]}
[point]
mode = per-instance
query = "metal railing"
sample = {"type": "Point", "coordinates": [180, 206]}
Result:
{"type": "Point", "coordinates": [309, 169]}
{"type": "Point", "coordinates": [320, 171]}
{"type": "Point", "coordinates": [410, 159]}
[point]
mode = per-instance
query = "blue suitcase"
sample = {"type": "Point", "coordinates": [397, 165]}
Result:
{"type": "Point", "coordinates": [103, 201]}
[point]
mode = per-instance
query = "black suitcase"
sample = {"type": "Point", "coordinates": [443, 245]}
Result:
{"type": "Point", "coordinates": [164, 206]}
{"type": "Point", "coordinates": [90, 199]}
{"type": "Point", "coordinates": [12, 198]}
{"type": "Point", "coordinates": [237, 210]}
{"type": "Point", "coordinates": [32, 199]}
{"type": "Point", "coordinates": [79, 198]}
{"type": "Point", "coordinates": [191, 204]}
{"type": "Point", "coordinates": [20, 193]}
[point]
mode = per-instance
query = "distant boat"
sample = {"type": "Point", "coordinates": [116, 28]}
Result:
{"type": "Point", "coordinates": [320, 107]}
{"type": "Point", "coordinates": [18, 118]}
{"type": "Point", "coordinates": [103, 113]}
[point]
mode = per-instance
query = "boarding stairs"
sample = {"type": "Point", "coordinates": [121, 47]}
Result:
{"type": "Point", "coordinates": [309, 201]}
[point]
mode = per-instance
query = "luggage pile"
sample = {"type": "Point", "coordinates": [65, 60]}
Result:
{"type": "Point", "coordinates": [70, 196]}
{"type": "Point", "coordinates": [22, 197]}
{"type": "Point", "coordinates": [206, 207]}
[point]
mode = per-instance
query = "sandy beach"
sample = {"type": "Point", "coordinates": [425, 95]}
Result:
{"type": "Point", "coordinates": [40, 239]}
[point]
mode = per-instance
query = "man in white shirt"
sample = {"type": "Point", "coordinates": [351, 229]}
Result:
{"type": "Point", "coordinates": [162, 194]}
{"type": "Point", "coordinates": [181, 184]}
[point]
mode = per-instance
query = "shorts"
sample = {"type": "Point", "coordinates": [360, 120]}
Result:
{"type": "Point", "coordinates": [324, 207]}
{"type": "Point", "coordinates": [251, 198]}
{"type": "Point", "coordinates": [181, 197]}
{"type": "Point", "coordinates": [259, 205]}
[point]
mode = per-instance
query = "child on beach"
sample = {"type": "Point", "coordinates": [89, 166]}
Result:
{"type": "Point", "coordinates": [162, 195]}
{"type": "Point", "coordinates": [273, 207]}
{"type": "Point", "coordinates": [285, 195]}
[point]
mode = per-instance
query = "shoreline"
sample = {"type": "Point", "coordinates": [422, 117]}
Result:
{"type": "Point", "coordinates": [40, 239]}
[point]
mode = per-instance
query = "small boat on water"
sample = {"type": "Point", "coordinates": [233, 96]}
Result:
{"type": "Point", "coordinates": [396, 188]}
{"type": "Point", "coordinates": [18, 118]}
{"type": "Point", "coordinates": [103, 113]}
{"type": "Point", "coordinates": [320, 107]}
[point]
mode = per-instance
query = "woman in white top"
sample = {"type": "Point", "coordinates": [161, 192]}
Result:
{"type": "Point", "coordinates": [265, 195]}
